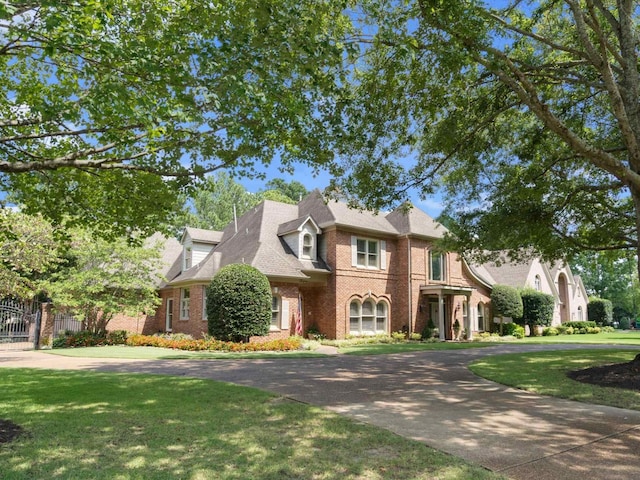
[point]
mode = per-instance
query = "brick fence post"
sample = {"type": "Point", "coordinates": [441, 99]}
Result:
{"type": "Point", "coordinates": [46, 325]}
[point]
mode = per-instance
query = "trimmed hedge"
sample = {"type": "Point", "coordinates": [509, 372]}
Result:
{"type": "Point", "coordinates": [86, 338]}
{"type": "Point", "coordinates": [600, 310]}
{"type": "Point", "coordinates": [211, 344]}
{"type": "Point", "coordinates": [506, 301]}
{"type": "Point", "coordinates": [239, 303]}
{"type": "Point", "coordinates": [580, 324]}
{"type": "Point", "coordinates": [537, 308]}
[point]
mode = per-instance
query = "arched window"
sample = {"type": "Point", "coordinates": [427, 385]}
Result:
{"type": "Point", "coordinates": [538, 283]}
{"type": "Point", "coordinates": [368, 317]}
{"type": "Point", "coordinates": [481, 317]}
{"type": "Point", "coordinates": [580, 317]}
{"type": "Point", "coordinates": [307, 246]}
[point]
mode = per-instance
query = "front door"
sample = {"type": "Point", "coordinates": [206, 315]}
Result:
{"type": "Point", "coordinates": [169, 315]}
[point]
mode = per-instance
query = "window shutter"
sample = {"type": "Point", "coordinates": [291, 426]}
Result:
{"type": "Point", "coordinates": [383, 255]}
{"type": "Point", "coordinates": [354, 251]}
{"type": "Point", "coordinates": [284, 320]}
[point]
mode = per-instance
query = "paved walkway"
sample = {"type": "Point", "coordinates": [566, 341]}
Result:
{"type": "Point", "coordinates": [431, 397]}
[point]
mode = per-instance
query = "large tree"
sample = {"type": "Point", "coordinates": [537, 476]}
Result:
{"type": "Point", "coordinates": [102, 278]}
{"type": "Point", "coordinates": [526, 115]}
{"type": "Point", "coordinates": [28, 251]}
{"type": "Point", "coordinates": [109, 109]}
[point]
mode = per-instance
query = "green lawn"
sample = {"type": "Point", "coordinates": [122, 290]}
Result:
{"type": "Point", "coordinates": [154, 353]}
{"type": "Point", "coordinates": [80, 425]}
{"type": "Point", "coordinates": [619, 337]}
{"type": "Point", "coordinates": [387, 348]}
{"type": "Point", "coordinates": [545, 373]}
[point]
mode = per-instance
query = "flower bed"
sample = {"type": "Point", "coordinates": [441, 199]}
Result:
{"type": "Point", "coordinates": [281, 345]}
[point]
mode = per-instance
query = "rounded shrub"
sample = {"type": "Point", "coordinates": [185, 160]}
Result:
{"type": "Point", "coordinates": [600, 310]}
{"type": "Point", "coordinates": [537, 308]}
{"type": "Point", "coordinates": [550, 332]}
{"type": "Point", "coordinates": [238, 303]}
{"type": "Point", "coordinates": [513, 329]}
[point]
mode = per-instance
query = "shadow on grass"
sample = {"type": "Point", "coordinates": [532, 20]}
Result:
{"type": "Point", "coordinates": [102, 426]}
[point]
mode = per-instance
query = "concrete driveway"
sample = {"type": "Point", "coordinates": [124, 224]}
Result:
{"type": "Point", "coordinates": [431, 397]}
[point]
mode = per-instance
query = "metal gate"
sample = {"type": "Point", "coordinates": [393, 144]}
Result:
{"type": "Point", "coordinates": [19, 324]}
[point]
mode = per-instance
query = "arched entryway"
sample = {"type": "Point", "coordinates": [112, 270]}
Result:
{"type": "Point", "coordinates": [563, 294]}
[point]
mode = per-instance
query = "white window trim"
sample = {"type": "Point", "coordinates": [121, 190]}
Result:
{"type": "Point", "coordinates": [311, 246]}
{"type": "Point", "coordinates": [276, 326]}
{"type": "Point", "coordinates": [375, 331]}
{"type": "Point", "coordinates": [443, 266]}
{"type": "Point", "coordinates": [185, 303]}
{"type": "Point", "coordinates": [187, 260]}
{"type": "Point", "coordinates": [204, 303]}
{"type": "Point", "coordinates": [381, 260]}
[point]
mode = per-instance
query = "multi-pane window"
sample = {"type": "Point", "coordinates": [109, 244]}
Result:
{"type": "Point", "coordinates": [367, 253]}
{"type": "Point", "coordinates": [204, 302]}
{"type": "Point", "coordinates": [580, 315]}
{"type": "Point", "coordinates": [538, 283]}
{"type": "Point", "coordinates": [437, 267]}
{"type": "Point", "coordinates": [481, 317]}
{"type": "Point", "coordinates": [184, 303]}
{"type": "Point", "coordinates": [307, 246]}
{"type": "Point", "coordinates": [188, 256]}
{"type": "Point", "coordinates": [368, 317]}
{"type": "Point", "coordinates": [275, 311]}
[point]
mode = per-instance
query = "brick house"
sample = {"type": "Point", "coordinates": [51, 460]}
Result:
{"type": "Point", "coordinates": [554, 279]}
{"type": "Point", "coordinates": [342, 271]}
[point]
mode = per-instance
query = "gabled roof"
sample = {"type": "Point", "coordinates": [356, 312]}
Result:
{"type": "Point", "coordinates": [256, 243]}
{"type": "Point", "coordinates": [200, 235]}
{"type": "Point", "coordinates": [171, 257]}
{"type": "Point", "coordinates": [296, 225]}
{"type": "Point", "coordinates": [399, 222]}
{"type": "Point", "coordinates": [409, 220]}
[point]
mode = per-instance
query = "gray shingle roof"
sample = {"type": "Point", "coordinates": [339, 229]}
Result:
{"type": "Point", "coordinates": [203, 236]}
{"type": "Point", "coordinates": [257, 242]}
{"type": "Point", "coordinates": [170, 259]}
{"type": "Point", "coordinates": [513, 274]}
{"type": "Point", "coordinates": [415, 221]}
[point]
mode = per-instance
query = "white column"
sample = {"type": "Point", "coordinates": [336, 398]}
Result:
{"type": "Point", "coordinates": [441, 317]}
{"type": "Point", "coordinates": [469, 322]}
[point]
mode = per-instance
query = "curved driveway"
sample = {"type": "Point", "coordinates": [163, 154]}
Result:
{"type": "Point", "coordinates": [428, 396]}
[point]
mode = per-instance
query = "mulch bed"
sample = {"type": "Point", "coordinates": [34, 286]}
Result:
{"type": "Point", "coordinates": [618, 375]}
{"type": "Point", "coordinates": [9, 431]}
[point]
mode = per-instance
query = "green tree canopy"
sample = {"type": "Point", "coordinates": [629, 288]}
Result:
{"type": "Point", "coordinates": [102, 278]}
{"type": "Point", "coordinates": [294, 190]}
{"type": "Point", "coordinates": [526, 116]}
{"type": "Point", "coordinates": [108, 110]}
{"type": "Point", "coordinates": [600, 310]}
{"type": "Point", "coordinates": [537, 308]}
{"type": "Point", "coordinates": [238, 303]}
{"type": "Point", "coordinates": [506, 302]}
{"type": "Point", "coordinates": [28, 251]}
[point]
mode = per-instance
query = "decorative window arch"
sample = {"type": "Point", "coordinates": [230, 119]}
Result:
{"type": "Point", "coordinates": [538, 283]}
{"type": "Point", "coordinates": [307, 246]}
{"type": "Point", "coordinates": [580, 314]}
{"type": "Point", "coordinates": [368, 317]}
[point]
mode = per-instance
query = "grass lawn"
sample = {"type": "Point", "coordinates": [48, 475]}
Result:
{"type": "Point", "coordinates": [80, 425]}
{"type": "Point", "coordinates": [387, 348]}
{"type": "Point", "coordinates": [619, 337]}
{"type": "Point", "coordinates": [154, 353]}
{"type": "Point", "coordinates": [545, 373]}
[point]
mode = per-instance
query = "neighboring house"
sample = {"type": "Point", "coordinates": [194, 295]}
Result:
{"type": "Point", "coordinates": [343, 271]}
{"type": "Point", "coordinates": [557, 280]}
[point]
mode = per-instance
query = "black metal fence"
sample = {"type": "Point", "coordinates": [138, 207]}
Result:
{"type": "Point", "coordinates": [19, 324]}
{"type": "Point", "coordinates": [65, 322]}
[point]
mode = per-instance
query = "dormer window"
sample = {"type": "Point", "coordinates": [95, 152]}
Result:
{"type": "Point", "coordinates": [188, 257]}
{"type": "Point", "coordinates": [307, 246]}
